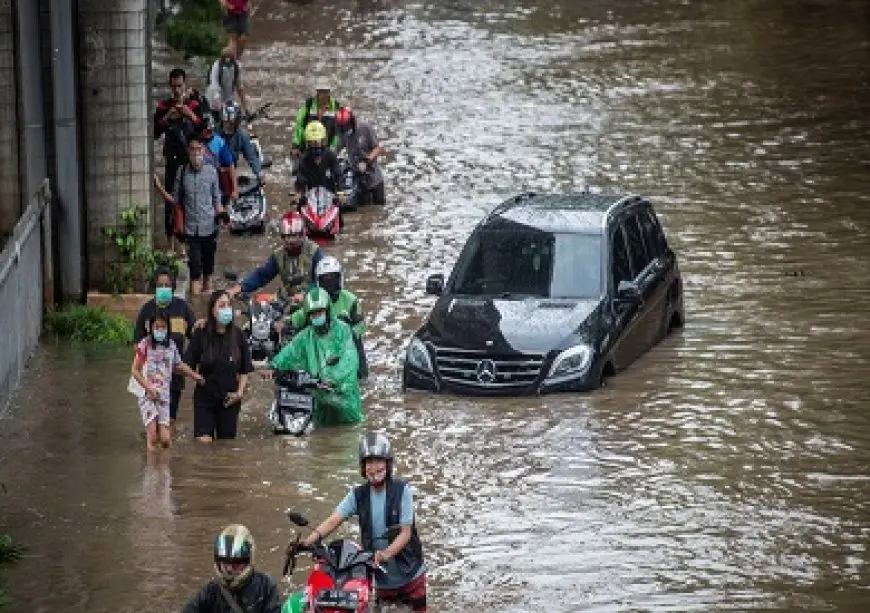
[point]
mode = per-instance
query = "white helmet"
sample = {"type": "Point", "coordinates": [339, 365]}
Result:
{"type": "Point", "coordinates": [328, 274]}
{"type": "Point", "coordinates": [322, 85]}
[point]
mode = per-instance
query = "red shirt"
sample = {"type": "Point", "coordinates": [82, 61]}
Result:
{"type": "Point", "coordinates": [238, 6]}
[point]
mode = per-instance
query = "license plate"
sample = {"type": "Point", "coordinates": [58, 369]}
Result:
{"type": "Point", "coordinates": [296, 400]}
{"type": "Point", "coordinates": [337, 598]}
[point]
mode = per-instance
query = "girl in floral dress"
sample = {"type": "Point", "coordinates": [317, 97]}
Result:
{"type": "Point", "coordinates": [156, 359]}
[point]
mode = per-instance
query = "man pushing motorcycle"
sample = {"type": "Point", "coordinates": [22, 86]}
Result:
{"type": "Point", "coordinates": [298, 257]}
{"type": "Point", "coordinates": [325, 349]}
{"type": "Point", "coordinates": [382, 502]}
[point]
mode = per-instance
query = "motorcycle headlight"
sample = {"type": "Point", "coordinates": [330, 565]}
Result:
{"type": "Point", "coordinates": [571, 362]}
{"type": "Point", "coordinates": [418, 355]}
{"type": "Point", "coordinates": [260, 330]}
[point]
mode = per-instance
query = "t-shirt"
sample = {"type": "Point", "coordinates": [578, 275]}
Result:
{"type": "Point", "coordinates": [227, 76]}
{"type": "Point", "coordinates": [238, 6]}
{"type": "Point", "coordinates": [359, 144]}
{"type": "Point", "coordinates": [181, 321]}
{"type": "Point", "coordinates": [378, 503]}
{"type": "Point", "coordinates": [220, 370]}
{"type": "Point", "coordinates": [160, 360]}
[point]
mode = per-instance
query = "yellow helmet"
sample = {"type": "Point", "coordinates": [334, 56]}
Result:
{"type": "Point", "coordinates": [315, 134]}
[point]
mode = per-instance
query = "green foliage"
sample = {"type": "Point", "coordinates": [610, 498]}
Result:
{"type": "Point", "coordinates": [9, 553]}
{"type": "Point", "coordinates": [195, 27]}
{"type": "Point", "coordinates": [138, 260]}
{"type": "Point", "coordinates": [89, 325]}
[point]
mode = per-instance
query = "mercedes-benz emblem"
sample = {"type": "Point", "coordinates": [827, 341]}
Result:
{"type": "Point", "coordinates": [486, 371]}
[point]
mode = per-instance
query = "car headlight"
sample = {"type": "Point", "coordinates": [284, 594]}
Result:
{"type": "Point", "coordinates": [571, 362]}
{"type": "Point", "coordinates": [418, 355]}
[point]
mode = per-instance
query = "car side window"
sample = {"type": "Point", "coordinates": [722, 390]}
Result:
{"type": "Point", "coordinates": [651, 233]}
{"type": "Point", "coordinates": [636, 248]}
{"type": "Point", "coordinates": [620, 266]}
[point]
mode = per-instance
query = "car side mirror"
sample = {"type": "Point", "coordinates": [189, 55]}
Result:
{"type": "Point", "coordinates": [435, 284]}
{"type": "Point", "coordinates": [627, 292]}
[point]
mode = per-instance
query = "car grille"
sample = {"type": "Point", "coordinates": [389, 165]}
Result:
{"type": "Point", "coordinates": [478, 369]}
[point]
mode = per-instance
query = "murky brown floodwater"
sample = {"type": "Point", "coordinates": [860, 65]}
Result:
{"type": "Point", "coordinates": [727, 470]}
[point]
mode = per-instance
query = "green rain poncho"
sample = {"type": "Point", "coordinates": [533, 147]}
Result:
{"type": "Point", "coordinates": [309, 351]}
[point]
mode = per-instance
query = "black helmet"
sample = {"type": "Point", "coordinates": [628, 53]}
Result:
{"type": "Point", "coordinates": [374, 445]}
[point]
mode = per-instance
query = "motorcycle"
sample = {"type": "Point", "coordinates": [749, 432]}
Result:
{"type": "Point", "coordinates": [292, 410]}
{"type": "Point", "coordinates": [342, 578]}
{"type": "Point", "coordinates": [351, 183]}
{"type": "Point", "coordinates": [262, 310]}
{"type": "Point", "coordinates": [320, 210]}
{"type": "Point", "coordinates": [250, 211]}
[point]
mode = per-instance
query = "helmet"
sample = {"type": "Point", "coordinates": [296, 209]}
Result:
{"type": "Point", "coordinates": [234, 545]}
{"type": "Point", "coordinates": [231, 112]}
{"type": "Point", "coordinates": [315, 134]}
{"type": "Point", "coordinates": [322, 85]}
{"type": "Point", "coordinates": [328, 274]}
{"type": "Point", "coordinates": [292, 224]}
{"type": "Point", "coordinates": [375, 445]}
{"type": "Point", "coordinates": [344, 117]}
{"type": "Point", "coordinates": [315, 300]}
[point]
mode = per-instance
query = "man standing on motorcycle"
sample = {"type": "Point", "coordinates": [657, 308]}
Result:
{"type": "Point", "coordinates": [238, 586]}
{"type": "Point", "coordinates": [238, 140]}
{"type": "Point", "coordinates": [320, 107]}
{"type": "Point", "coordinates": [343, 305]}
{"type": "Point", "coordinates": [325, 350]}
{"type": "Point", "coordinates": [298, 257]}
{"type": "Point", "coordinates": [318, 166]}
{"type": "Point", "coordinates": [381, 502]}
{"type": "Point", "coordinates": [363, 147]}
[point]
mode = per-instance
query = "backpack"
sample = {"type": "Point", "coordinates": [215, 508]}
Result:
{"type": "Point", "coordinates": [236, 74]}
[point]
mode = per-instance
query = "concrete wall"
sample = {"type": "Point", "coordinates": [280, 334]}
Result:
{"type": "Point", "coordinates": [10, 187]}
{"type": "Point", "coordinates": [114, 84]}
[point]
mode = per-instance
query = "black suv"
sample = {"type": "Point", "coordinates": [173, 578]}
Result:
{"type": "Point", "coordinates": [550, 293]}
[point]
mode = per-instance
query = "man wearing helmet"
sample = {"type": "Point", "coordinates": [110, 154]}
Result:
{"type": "Point", "coordinates": [383, 501]}
{"type": "Point", "coordinates": [318, 166]}
{"type": "Point", "coordinates": [321, 107]}
{"type": "Point", "coordinates": [238, 586]}
{"type": "Point", "coordinates": [325, 349]}
{"type": "Point", "coordinates": [297, 257]}
{"type": "Point", "coordinates": [237, 138]}
{"type": "Point", "coordinates": [343, 305]}
{"type": "Point", "coordinates": [363, 147]}
{"type": "Point", "coordinates": [218, 154]}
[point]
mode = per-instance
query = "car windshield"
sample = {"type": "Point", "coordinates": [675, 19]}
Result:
{"type": "Point", "coordinates": [530, 262]}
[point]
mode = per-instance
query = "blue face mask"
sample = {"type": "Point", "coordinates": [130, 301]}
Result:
{"type": "Point", "coordinates": [318, 321]}
{"type": "Point", "coordinates": [159, 335]}
{"type": "Point", "coordinates": [225, 316]}
{"type": "Point", "coordinates": [163, 295]}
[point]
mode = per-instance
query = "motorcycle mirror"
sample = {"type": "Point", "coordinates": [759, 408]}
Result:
{"type": "Point", "coordinates": [266, 163]}
{"type": "Point", "coordinates": [231, 275]}
{"type": "Point", "coordinates": [297, 518]}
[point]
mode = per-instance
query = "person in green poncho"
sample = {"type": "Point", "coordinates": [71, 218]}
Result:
{"type": "Point", "coordinates": [325, 349]}
{"type": "Point", "coordinates": [343, 305]}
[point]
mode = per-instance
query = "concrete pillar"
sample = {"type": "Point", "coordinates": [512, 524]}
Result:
{"type": "Point", "coordinates": [33, 151]}
{"type": "Point", "coordinates": [10, 186]}
{"type": "Point", "coordinates": [66, 150]}
{"type": "Point", "coordinates": [115, 78]}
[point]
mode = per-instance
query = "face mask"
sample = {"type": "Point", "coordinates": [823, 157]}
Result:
{"type": "Point", "coordinates": [318, 321]}
{"type": "Point", "coordinates": [159, 335]}
{"type": "Point", "coordinates": [225, 316]}
{"type": "Point", "coordinates": [163, 295]}
{"type": "Point", "coordinates": [196, 161]}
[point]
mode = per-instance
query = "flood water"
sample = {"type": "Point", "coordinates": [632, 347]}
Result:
{"type": "Point", "coordinates": [726, 470]}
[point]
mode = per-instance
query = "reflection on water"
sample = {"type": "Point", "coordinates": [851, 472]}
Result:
{"type": "Point", "coordinates": [726, 470]}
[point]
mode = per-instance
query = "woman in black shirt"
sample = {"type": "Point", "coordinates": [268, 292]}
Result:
{"type": "Point", "coordinates": [219, 352]}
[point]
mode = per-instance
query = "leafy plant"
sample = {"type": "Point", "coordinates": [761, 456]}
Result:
{"type": "Point", "coordinates": [138, 260]}
{"type": "Point", "coordinates": [194, 27]}
{"type": "Point", "coordinates": [9, 553]}
{"type": "Point", "coordinates": [89, 325]}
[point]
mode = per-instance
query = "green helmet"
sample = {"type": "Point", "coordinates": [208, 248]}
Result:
{"type": "Point", "coordinates": [316, 300]}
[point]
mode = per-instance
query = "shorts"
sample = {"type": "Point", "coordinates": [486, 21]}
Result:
{"type": "Point", "coordinates": [215, 421]}
{"type": "Point", "coordinates": [236, 23]}
{"type": "Point", "coordinates": [200, 255]}
{"type": "Point", "coordinates": [412, 594]}
{"type": "Point", "coordinates": [154, 409]}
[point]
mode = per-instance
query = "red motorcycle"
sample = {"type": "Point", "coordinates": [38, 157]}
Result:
{"type": "Point", "coordinates": [342, 578]}
{"type": "Point", "coordinates": [320, 209]}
